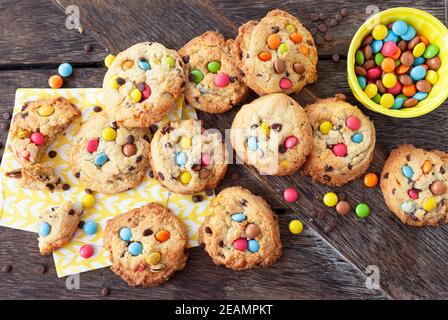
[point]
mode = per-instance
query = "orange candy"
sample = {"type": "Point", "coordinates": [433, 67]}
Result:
{"type": "Point", "coordinates": [162, 235]}
{"type": "Point", "coordinates": [295, 37]}
{"type": "Point", "coordinates": [128, 64]}
{"type": "Point", "coordinates": [274, 41]}
{"type": "Point", "coordinates": [426, 167]}
{"type": "Point", "coordinates": [402, 69]}
{"type": "Point", "coordinates": [55, 81]}
{"type": "Point", "coordinates": [397, 54]}
{"type": "Point", "coordinates": [305, 50]}
{"type": "Point", "coordinates": [264, 56]}
{"type": "Point", "coordinates": [424, 40]}
{"type": "Point", "coordinates": [388, 65]}
{"type": "Point", "coordinates": [370, 180]}
{"type": "Point", "coordinates": [409, 90]}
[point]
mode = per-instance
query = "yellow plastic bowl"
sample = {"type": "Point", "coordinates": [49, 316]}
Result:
{"type": "Point", "coordinates": [426, 25]}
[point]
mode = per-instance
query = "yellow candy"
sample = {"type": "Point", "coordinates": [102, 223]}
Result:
{"type": "Point", "coordinates": [419, 50]}
{"type": "Point", "coordinates": [432, 77]}
{"type": "Point", "coordinates": [170, 61]}
{"type": "Point", "coordinates": [331, 199]}
{"type": "Point", "coordinates": [88, 200]}
{"type": "Point", "coordinates": [45, 111]}
{"type": "Point", "coordinates": [325, 127]}
{"type": "Point", "coordinates": [109, 134]}
{"type": "Point", "coordinates": [185, 142]}
{"type": "Point", "coordinates": [295, 226]}
{"type": "Point", "coordinates": [185, 177]}
{"type": "Point", "coordinates": [22, 134]}
{"type": "Point", "coordinates": [135, 95]}
{"type": "Point", "coordinates": [371, 90]}
{"type": "Point", "coordinates": [389, 80]}
{"type": "Point", "coordinates": [108, 60]}
{"type": "Point", "coordinates": [282, 49]}
{"type": "Point", "coordinates": [284, 164]}
{"type": "Point", "coordinates": [379, 32]}
{"type": "Point", "coordinates": [387, 100]}
{"type": "Point", "coordinates": [290, 28]}
{"type": "Point", "coordinates": [265, 128]}
{"type": "Point", "coordinates": [113, 82]}
{"type": "Point", "coordinates": [430, 204]}
{"type": "Point", "coordinates": [153, 258]}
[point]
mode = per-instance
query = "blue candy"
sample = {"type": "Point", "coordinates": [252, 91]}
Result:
{"type": "Point", "coordinates": [252, 144]}
{"type": "Point", "coordinates": [420, 96]}
{"type": "Point", "coordinates": [418, 73]}
{"type": "Point", "coordinates": [408, 207]}
{"type": "Point", "coordinates": [89, 228]}
{"type": "Point", "coordinates": [418, 61]}
{"type": "Point", "coordinates": [362, 82]}
{"type": "Point", "coordinates": [65, 70]}
{"type": "Point", "coordinates": [409, 35]}
{"type": "Point", "coordinates": [238, 217]}
{"type": "Point", "coordinates": [400, 27]}
{"type": "Point", "coordinates": [44, 229]}
{"type": "Point", "coordinates": [376, 45]}
{"type": "Point", "coordinates": [253, 245]}
{"type": "Point", "coordinates": [180, 159]}
{"type": "Point", "coordinates": [125, 234]}
{"type": "Point", "coordinates": [391, 37]}
{"type": "Point", "coordinates": [398, 103]}
{"type": "Point", "coordinates": [357, 138]}
{"type": "Point", "coordinates": [407, 171]}
{"type": "Point", "coordinates": [101, 159]}
{"type": "Point", "coordinates": [144, 65]}
{"type": "Point", "coordinates": [135, 248]}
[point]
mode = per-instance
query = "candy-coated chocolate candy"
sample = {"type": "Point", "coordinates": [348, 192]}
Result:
{"type": "Point", "coordinates": [162, 235]}
{"type": "Point", "coordinates": [400, 27]}
{"type": "Point", "coordinates": [413, 194]}
{"type": "Point", "coordinates": [170, 61]}
{"type": "Point", "coordinates": [86, 251]}
{"type": "Point", "coordinates": [396, 89]}
{"type": "Point", "coordinates": [431, 51]}
{"type": "Point", "coordinates": [370, 180]}
{"type": "Point", "coordinates": [419, 96]}
{"type": "Point", "coordinates": [125, 234]}
{"type": "Point", "coordinates": [418, 61]}
{"type": "Point", "coordinates": [295, 37]}
{"type": "Point", "coordinates": [408, 207]}
{"type": "Point", "coordinates": [343, 207]}
{"type": "Point", "coordinates": [290, 28]}
{"type": "Point", "coordinates": [388, 65]}
{"type": "Point", "coordinates": [135, 95]}
{"type": "Point", "coordinates": [55, 81]}
{"type": "Point", "coordinates": [389, 80]}
{"type": "Point", "coordinates": [432, 77]}
{"type": "Point", "coordinates": [389, 48]}
{"type": "Point", "coordinates": [411, 45]}
{"type": "Point", "coordinates": [253, 245]}
{"type": "Point", "coordinates": [357, 137]}
{"type": "Point", "coordinates": [196, 76]}
{"type": "Point", "coordinates": [298, 68]}
{"type": "Point", "coordinates": [214, 66]}
{"type": "Point", "coordinates": [153, 258]}
{"type": "Point", "coordinates": [108, 60]}
{"type": "Point", "coordinates": [325, 127]}
{"type": "Point", "coordinates": [265, 129]}
{"type": "Point", "coordinates": [362, 210]}
{"type": "Point", "coordinates": [376, 45]}
{"type": "Point", "coordinates": [376, 98]}
{"type": "Point", "coordinates": [407, 171]}
{"type": "Point", "coordinates": [44, 229]}
{"type": "Point", "coordinates": [407, 58]}
{"type": "Point", "coordinates": [409, 90]}
{"type": "Point", "coordinates": [205, 159]}
{"type": "Point", "coordinates": [285, 83]}
{"type": "Point", "coordinates": [144, 64]}
{"type": "Point", "coordinates": [379, 58]}
{"type": "Point", "coordinates": [88, 200]}
{"type": "Point", "coordinates": [399, 101]}
{"type": "Point", "coordinates": [180, 159]}
{"type": "Point", "coordinates": [295, 226]}
{"type": "Point", "coordinates": [135, 248]}
{"type": "Point", "coordinates": [222, 80]}
{"type": "Point", "coordinates": [391, 36]}
{"type": "Point", "coordinates": [419, 49]}
{"type": "Point", "coordinates": [264, 56]}
{"type": "Point", "coordinates": [128, 64]}
{"type": "Point", "coordinates": [109, 134]}
{"type": "Point", "coordinates": [340, 150]}
{"type": "Point", "coordinates": [291, 142]}
{"type": "Point", "coordinates": [369, 65]}
{"type": "Point", "coordinates": [362, 82]}
{"type": "Point", "coordinates": [274, 41]}
{"type": "Point", "coordinates": [37, 138]}
{"type": "Point", "coordinates": [409, 34]}
{"type": "Point", "coordinates": [23, 134]}
{"type": "Point", "coordinates": [89, 227]}
{"type": "Point", "coordinates": [129, 149]}
{"type": "Point", "coordinates": [65, 70]}
{"type": "Point", "coordinates": [359, 58]}
{"type": "Point", "coordinates": [353, 123]}
{"type": "Point", "coordinates": [185, 142]}
{"type": "Point", "coordinates": [240, 244]}
{"type": "Point", "coordinates": [409, 103]}
{"type": "Point", "coordinates": [252, 230]}
{"type": "Point", "coordinates": [101, 159]}
{"type": "Point", "coordinates": [371, 90]}
{"type": "Point", "coordinates": [238, 217]}
{"type": "Point", "coordinates": [290, 194]}
{"type": "Point", "coordinates": [374, 73]}
{"type": "Point", "coordinates": [438, 188]}
{"type": "Point", "coordinates": [45, 111]}
{"type": "Point", "coordinates": [361, 71]}
{"type": "Point", "coordinates": [433, 63]}
{"type": "Point", "coordinates": [402, 69]}
{"type": "Point", "coordinates": [330, 199]}
{"type": "Point", "coordinates": [92, 145]}
{"type": "Point", "coordinates": [418, 73]}
{"type": "Point", "coordinates": [379, 32]}
{"type": "Point", "coordinates": [387, 100]}
{"type": "Point", "coordinates": [185, 177]}
{"type": "Point", "coordinates": [429, 204]}
{"type": "Point", "coordinates": [146, 91]}
{"type": "Point", "coordinates": [252, 143]}
{"type": "Point", "coordinates": [282, 49]}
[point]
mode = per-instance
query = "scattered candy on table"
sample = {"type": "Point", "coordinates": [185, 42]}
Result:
{"type": "Point", "coordinates": [330, 199]}
{"type": "Point", "coordinates": [295, 226]}
{"type": "Point", "coordinates": [88, 200]}
{"type": "Point", "coordinates": [86, 251]}
{"type": "Point", "coordinates": [55, 81]}
{"type": "Point", "coordinates": [44, 229]}
{"type": "Point", "coordinates": [362, 210]}
{"type": "Point", "coordinates": [290, 194]}
{"type": "Point", "coordinates": [89, 228]}
{"type": "Point", "coordinates": [108, 60]}
{"type": "Point", "coordinates": [370, 180]}
{"type": "Point", "coordinates": [343, 207]}
{"type": "Point", "coordinates": [65, 70]}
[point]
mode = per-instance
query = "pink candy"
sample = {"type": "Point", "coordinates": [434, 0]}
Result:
{"type": "Point", "coordinates": [285, 83]}
{"type": "Point", "coordinates": [221, 80]}
{"type": "Point", "coordinates": [291, 141]}
{"type": "Point", "coordinates": [205, 159]}
{"type": "Point", "coordinates": [86, 251]}
{"type": "Point", "coordinates": [290, 194]}
{"type": "Point", "coordinates": [353, 123]}
{"type": "Point", "coordinates": [340, 150]}
{"type": "Point", "coordinates": [92, 145]}
{"type": "Point", "coordinates": [396, 89]}
{"type": "Point", "coordinates": [37, 138]}
{"type": "Point", "coordinates": [374, 73]}
{"type": "Point", "coordinates": [240, 244]}
{"type": "Point", "coordinates": [413, 194]}
{"type": "Point", "coordinates": [389, 48]}
{"type": "Point", "coordinates": [146, 92]}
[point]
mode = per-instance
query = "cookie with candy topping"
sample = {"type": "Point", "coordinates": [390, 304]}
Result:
{"type": "Point", "coordinates": [57, 226]}
{"type": "Point", "coordinates": [107, 157]}
{"type": "Point", "coordinates": [272, 133]}
{"type": "Point", "coordinates": [214, 83]}
{"type": "Point", "coordinates": [38, 125]}
{"type": "Point", "coordinates": [147, 245]}
{"type": "Point", "coordinates": [242, 232]}
{"type": "Point", "coordinates": [143, 83]}
{"type": "Point", "coordinates": [278, 54]}
{"type": "Point", "coordinates": [37, 177]}
{"type": "Point", "coordinates": [344, 141]}
{"type": "Point", "coordinates": [186, 158]}
{"type": "Point", "coordinates": [414, 183]}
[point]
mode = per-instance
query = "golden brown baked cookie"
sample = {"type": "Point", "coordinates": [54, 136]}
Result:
{"type": "Point", "coordinates": [37, 177]}
{"type": "Point", "coordinates": [414, 184]}
{"type": "Point", "coordinates": [37, 126]}
{"type": "Point", "coordinates": [344, 141]}
{"type": "Point", "coordinates": [214, 81]}
{"type": "Point", "coordinates": [142, 84]}
{"type": "Point", "coordinates": [242, 232]}
{"type": "Point", "coordinates": [147, 245]}
{"type": "Point", "coordinates": [278, 54]}
{"type": "Point", "coordinates": [273, 134]}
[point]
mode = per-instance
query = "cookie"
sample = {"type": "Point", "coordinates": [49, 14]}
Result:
{"type": "Point", "coordinates": [57, 226]}
{"type": "Point", "coordinates": [37, 177]}
{"type": "Point", "coordinates": [107, 157]}
{"type": "Point", "coordinates": [278, 54]}
{"type": "Point", "coordinates": [242, 232]}
{"type": "Point", "coordinates": [214, 81]}
{"type": "Point", "coordinates": [147, 245]}
{"type": "Point", "coordinates": [273, 134]}
{"type": "Point", "coordinates": [414, 183]}
{"type": "Point", "coordinates": [344, 141]}
{"type": "Point", "coordinates": [37, 126]}
{"type": "Point", "coordinates": [142, 84]}
{"type": "Point", "coordinates": [187, 159]}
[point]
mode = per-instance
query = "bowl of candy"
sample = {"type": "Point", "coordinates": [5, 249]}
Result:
{"type": "Point", "coordinates": [397, 63]}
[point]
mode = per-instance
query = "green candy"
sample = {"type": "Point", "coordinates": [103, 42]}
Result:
{"type": "Point", "coordinates": [170, 61]}
{"type": "Point", "coordinates": [214, 66]}
{"type": "Point", "coordinates": [397, 62]}
{"type": "Point", "coordinates": [359, 58]}
{"type": "Point", "coordinates": [362, 210]}
{"type": "Point", "coordinates": [376, 98]}
{"type": "Point", "coordinates": [198, 76]}
{"type": "Point", "coordinates": [283, 48]}
{"type": "Point", "coordinates": [379, 59]}
{"type": "Point", "coordinates": [431, 51]}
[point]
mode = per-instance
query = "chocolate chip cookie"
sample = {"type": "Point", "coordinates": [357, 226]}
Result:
{"type": "Point", "coordinates": [344, 141]}
{"type": "Point", "coordinates": [242, 232]}
{"type": "Point", "coordinates": [278, 54]}
{"type": "Point", "coordinates": [273, 134]}
{"type": "Point", "coordinates": [147, 245]}
{"type": "Point", "coordinates": [37, 177]}
{"type": "Point", "coordinates": [414, 184]}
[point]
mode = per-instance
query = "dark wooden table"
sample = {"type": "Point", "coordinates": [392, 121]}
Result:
{"type": "Point", "coordinates": [333, 265]}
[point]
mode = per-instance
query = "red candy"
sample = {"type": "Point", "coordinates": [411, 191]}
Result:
{"type": "Point", "coordinates": [291, 141]}
{"type": "Point", "coordinates": [389, 48]}
{"type": "Point", "coordinates": [205, 159]}
{"type": "Point", "coordinates": [240, 244]}
{"type": "Point", "coordinates": [221, 80]}
{"type": "Point", "coordinates": [340, 150]}
{"type": "Point", "coordinates": [413, 194]}
{"type": "Point", "coordinates": [396, 89]}
{"type": "Point", "coordinates": [353, 123]}
{"type": "Point", "coordinates": [374, 73]}
{"type": "Point", "coordinates": [146, 92]}
{"type": "Point", "coordinates": [285, 83]}
{"type": "Point", "coordinates": [86, 251]}
{"type": "Point", "coordinates": [290, 194]}
{"type": "Point", "coordinates": [37, 138]}
{"type": "Point", "coordinates": [92, 145]}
